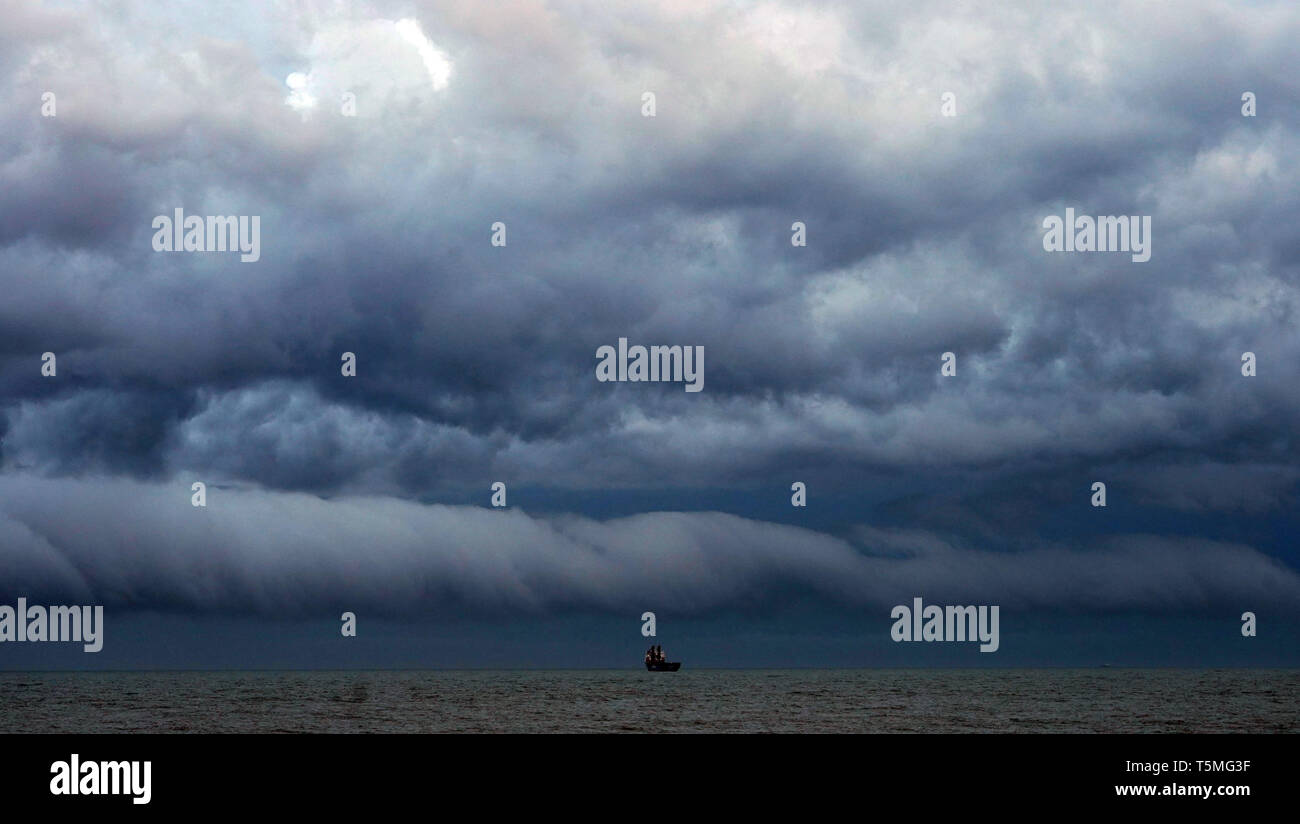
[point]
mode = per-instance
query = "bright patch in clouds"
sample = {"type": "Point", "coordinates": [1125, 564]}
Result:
{"type": "Point", "coordinates": [435, 61]}
{"type": "Point", "coordinates": [376, 60]}
{"type": "Point", "coordinates": [299, 98]}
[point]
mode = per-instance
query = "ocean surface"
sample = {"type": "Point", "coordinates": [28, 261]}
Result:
{"type": "Point", "coordinates": [1057, 700]}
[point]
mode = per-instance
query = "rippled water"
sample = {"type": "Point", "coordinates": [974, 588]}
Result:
{"type": "Point", "coordinates": [1094, 700]}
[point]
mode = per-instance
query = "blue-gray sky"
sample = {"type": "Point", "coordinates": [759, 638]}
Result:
{"type": "Point", "coordinates": [476, 363]}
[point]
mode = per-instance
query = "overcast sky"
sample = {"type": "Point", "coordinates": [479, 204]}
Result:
{"type": "Point", "coordinates": [476, 363]}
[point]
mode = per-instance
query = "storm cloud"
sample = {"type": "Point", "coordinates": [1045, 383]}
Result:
{"type": "Point", "coordinates": [475, 363]}
{"type": "Point", "coordinates": [290, 554]}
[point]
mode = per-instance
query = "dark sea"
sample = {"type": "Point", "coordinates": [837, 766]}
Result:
{"type": "Point", "coordinates": [1009, 700]}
